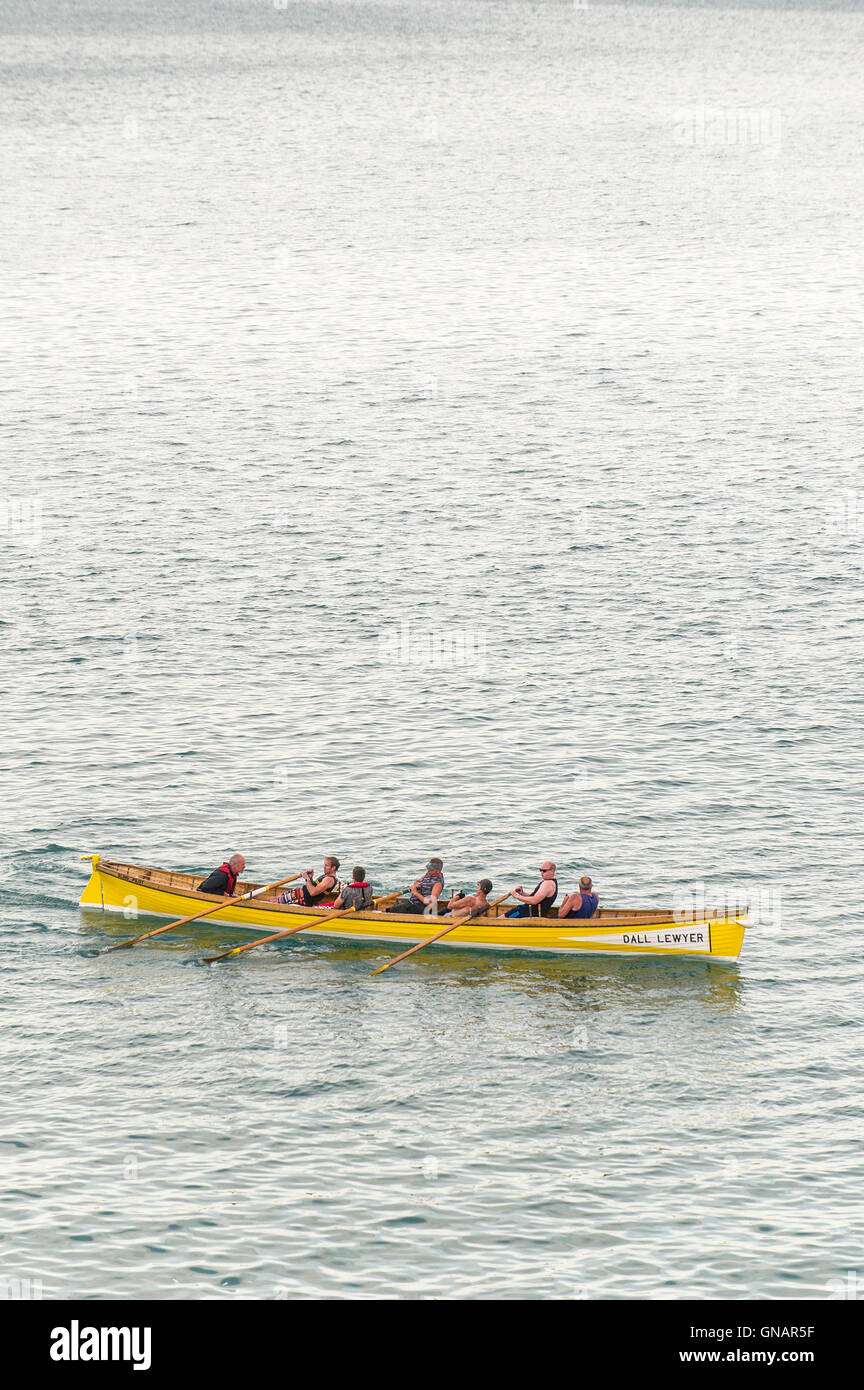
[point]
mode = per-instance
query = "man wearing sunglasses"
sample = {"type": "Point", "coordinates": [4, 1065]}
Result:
{"type": "Point", "coordinates": [538, 903]}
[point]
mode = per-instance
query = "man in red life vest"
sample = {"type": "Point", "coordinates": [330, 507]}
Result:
{"type": "Point", "coordinates": [223, 879]}
{"type": "Point", "coordinates": [357, 894]}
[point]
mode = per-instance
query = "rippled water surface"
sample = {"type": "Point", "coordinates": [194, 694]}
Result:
{"type": "Point", "coordinates": [330, 327]}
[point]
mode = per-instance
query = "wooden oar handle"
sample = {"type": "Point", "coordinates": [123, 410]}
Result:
{"type": "Point", "coordinates": [289, 931]}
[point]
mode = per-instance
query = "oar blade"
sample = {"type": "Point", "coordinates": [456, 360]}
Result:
{"type": "Point", "coordinates": [122, 945]}
{"type": "Point", "coordinates": [381, 969]}
{"type": "Point", "coordinates": [208, 960]}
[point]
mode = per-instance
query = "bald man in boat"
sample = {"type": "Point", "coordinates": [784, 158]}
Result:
{"type": "Point", "coordinates": [222, 880]}
{"type": "Point", "coordinates": [538, 903]}
{"type": "Point", "coordinates": [581, 904]}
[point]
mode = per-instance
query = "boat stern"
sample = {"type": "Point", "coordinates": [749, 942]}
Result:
{"type": "Point", "coordinates": [727, 937]}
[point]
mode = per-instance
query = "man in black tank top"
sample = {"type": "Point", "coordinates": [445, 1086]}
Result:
{"type": "Point", "coordinates": [538, 903]}
{"type": "Point", "coordinates": [315, 891]}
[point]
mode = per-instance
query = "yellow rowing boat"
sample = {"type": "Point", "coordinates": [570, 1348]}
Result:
{"type": "Point", "coordinates": [134, 890]}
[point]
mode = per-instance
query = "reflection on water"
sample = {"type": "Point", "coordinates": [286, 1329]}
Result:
{"type": "Point", "coordinates": [587, 979]}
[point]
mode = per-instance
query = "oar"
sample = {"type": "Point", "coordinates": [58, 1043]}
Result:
{"type": "Point", "coordinates": [217, 907]}
{"type": "Point", "coordinates": [478, 912]}
{"type": "Point", "coordinates": [289, 931]}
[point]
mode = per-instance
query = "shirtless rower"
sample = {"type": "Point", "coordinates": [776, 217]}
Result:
{"type": "Point", "coordinates": [473, 904]}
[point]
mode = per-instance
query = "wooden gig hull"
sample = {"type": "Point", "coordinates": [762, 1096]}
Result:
{"type": "Point", "coordinates": [134, 890]}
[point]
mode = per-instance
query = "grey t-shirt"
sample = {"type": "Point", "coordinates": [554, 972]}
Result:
{"type": "Point", "coordinates": [357, 895]}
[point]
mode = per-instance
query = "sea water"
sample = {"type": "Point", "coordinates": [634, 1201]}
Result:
{"type": "Point", "coordinates": [432, 428]}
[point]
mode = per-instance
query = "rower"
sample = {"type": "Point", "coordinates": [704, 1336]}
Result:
{"type": "Point", "coordinates": [472, 903]}
{"type": "Point", "coordinates": [223, 879]}
{"type": "Point", "coordinates": [314, 890]}
{"type": "Point", "coordinates": [357, 893]}
{"type": "Point", "coordinates": [424, 892]}
{"type": "Point", "coordinates": [538, 903]}
{"type": "Point", "coordinates": [581, 904]}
